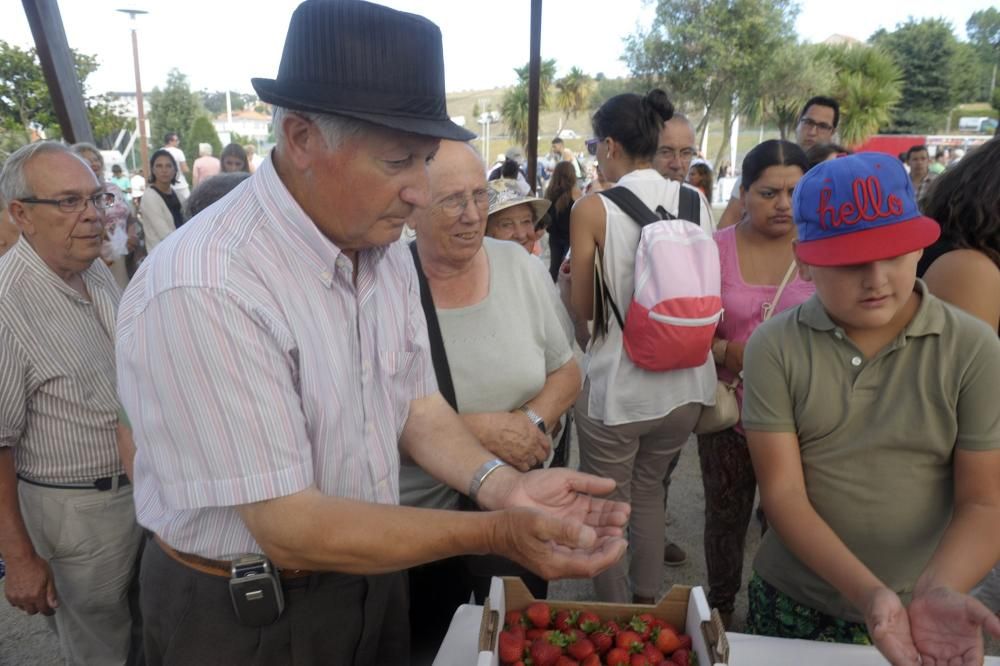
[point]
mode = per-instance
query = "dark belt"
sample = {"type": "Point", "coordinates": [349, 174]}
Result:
{"type": "Point", "coordinates": [221, 568]}
{"type": "Point", "coordinates": [104, 483]}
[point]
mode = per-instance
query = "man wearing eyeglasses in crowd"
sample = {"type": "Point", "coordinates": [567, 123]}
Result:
{"type": "Point", "coordinates": [676, 149]}
{"type": "Point", "coordinates": [817, 125]}
{"type": "Point", "coordinates": [67, 522]}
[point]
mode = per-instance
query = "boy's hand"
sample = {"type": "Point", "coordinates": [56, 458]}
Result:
{"type": "Point", "coordinates": [889, 627]}
{"type": "Point", "coordinates": [947, 627]}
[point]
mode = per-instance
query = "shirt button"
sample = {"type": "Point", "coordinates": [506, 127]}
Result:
{"type": "Point", "coordinates": [856, 361]}
{"type": "Point", "coordinates": [326, 276]}
{"type": "Point", "coordinates": [838, 335]}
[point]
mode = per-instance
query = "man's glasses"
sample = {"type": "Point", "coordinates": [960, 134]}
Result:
{"type": "Point", "coordinates": [74, 204]}
{"type": "Point", "coordinates": [455, 204]}
{"type": "Point", "coordinates": [812, 124]}
{"type": "Point", "coordinates": [670, 153]}
{"type": "Point", "coordinates": [592, 146]}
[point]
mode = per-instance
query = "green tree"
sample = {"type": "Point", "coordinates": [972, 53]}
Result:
{"type": "Point", "coordinates": [173, 109]}
{"type": "Point", "coordinates": [202, 131]}
{"type": "Point", "coordinates": [573, 93]}
{"type": "Point", "coordinates": [25, 99]}
{"type": "Point", "coordinates": [514, 105]}
{"type": "Point", "coordinates": [792, 75]}
{"type": "Point", "coordinates": [868, 85]}
{"type": "Point", "coordinates": [970, 75]}
{"type": "Point", "coordinates": [923, 50]}
{"type": "Point", "coordinates": [708, 51]}
{"type": "Point", "coordinates": [983, 28]}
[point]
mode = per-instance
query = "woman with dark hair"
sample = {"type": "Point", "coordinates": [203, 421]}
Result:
{"type": "Point", "coordinates": [234, 158]}
{"type": "Point", "coordinates": [160, 210]}
{"type": "Point", "coordinates": [963, 266]}
{"type": "Point", "coordinates": [757, 263]}
{"type": "Point", "coordinates": [563, 193]}
{"type": "Point", "coordinates": [701, 177]}
{"type": "Point", "coordinates": [631, 422]}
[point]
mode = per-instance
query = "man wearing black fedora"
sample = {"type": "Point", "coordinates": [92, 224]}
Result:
{"type": "Point", "coordinates": [273, 359]}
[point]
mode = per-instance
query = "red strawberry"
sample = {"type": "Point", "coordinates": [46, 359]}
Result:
{"type": "Point", "coordinates": [616, 657]}
{"type": "Point", "coordinates": [534, 633]}
{"type": "Point", "coordinates": [581, 649]}
{"type": "Point", "coordinates": [682, 657]}
{"type": "Point", "coordinates": [592, 660]}
{"type": "Point", "coordinates": [588, 621]}
{"type": "Point", "coordinates": [566, 620]}
{"type": "Point", "coordinates": [685, 642]}
{"type": "Point", "coordinates": [652, 654]}
{"type": "Point", "coordinates": [629, 640]}
{"type": "Point", "coordinates": [602, 640]}
{"type": "Point", "coordinates": [666, 640]}
{"type": "Point", "coordinates": [544, 653]}
{"type": "Point", "coordinates": [517, 630]}
{"type": "Point", "coordinates": [512, 619]}
{"type": "Point", "coordinates": [640, 626]}
{"type": "Point", "coordinates": [566, 661]}
{"type": "Point", "coordinates": [639, 660]}
{"type": "Point", "coordinates": [510, 647]}
{"type": "Point", "coordinates": [539, 615]}
{"type": "Point", "coordinates": [575, 635]}
{"type": "Point", "coordinates": [612, 627]}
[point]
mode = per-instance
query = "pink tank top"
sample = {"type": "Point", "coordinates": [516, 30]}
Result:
{"type": "Point", "coordinates": [744, 303]}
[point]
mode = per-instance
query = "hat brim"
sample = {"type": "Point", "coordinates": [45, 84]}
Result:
{"type": "Point", "coordinates": [538, 206]}
{"type": "Point", "coordinates": [270, 91]}
{"type": "Point", "coordinates": [863, 247]}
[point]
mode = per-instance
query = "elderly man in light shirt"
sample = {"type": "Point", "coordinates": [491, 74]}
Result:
{"type": "Point", "coordinates": [274, 362]}
{"type": "Point", "coordinates": [68, 531]}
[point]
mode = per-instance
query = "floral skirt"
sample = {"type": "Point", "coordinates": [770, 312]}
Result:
{"type": "Point", "coordinates": [773, 613]}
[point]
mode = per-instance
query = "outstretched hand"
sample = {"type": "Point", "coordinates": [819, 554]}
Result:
{"type": "Point", "coordinates": [889, 626]}
{"type": "Point", "coordinates": [947, 627]}
{"type": "Point", "coordinates": [571, 495]}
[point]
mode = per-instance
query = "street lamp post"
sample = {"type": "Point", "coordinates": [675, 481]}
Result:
{"type": "Point", "coordinates": [143, 143]}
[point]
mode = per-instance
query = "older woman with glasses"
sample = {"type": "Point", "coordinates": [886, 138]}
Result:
{"type": "Point", "coordinates": [505, 354]}
{"type": "Point", "coordinates": [514, 215]}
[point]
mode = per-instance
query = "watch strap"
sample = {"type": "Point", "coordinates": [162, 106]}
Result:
{"type": "Point", "coordinates": [535, 418]}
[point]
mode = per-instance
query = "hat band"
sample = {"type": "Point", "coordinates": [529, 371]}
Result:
{"type": "Point", "coordinates": [315, 96]}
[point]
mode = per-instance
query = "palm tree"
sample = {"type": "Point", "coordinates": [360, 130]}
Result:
{"type": "Point", "coordinates": [573, 93]}
{"type": "Point", "coordinates": [514, 106]}
{"type": "Point", "coordinates": [868, 87]}
{"type": "Point", "coordinates": [791, 77]}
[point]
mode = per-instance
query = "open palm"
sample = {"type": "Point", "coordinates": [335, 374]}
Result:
{"type": "Point", "coordinates": [571, 495]}
{"type": "Point", "coordinates": [889, 627]}
{"type": "Point", "coordinates": [947, 627]}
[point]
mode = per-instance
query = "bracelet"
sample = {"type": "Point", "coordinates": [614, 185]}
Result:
{"type": "Point", "coordinates": [481, 474]}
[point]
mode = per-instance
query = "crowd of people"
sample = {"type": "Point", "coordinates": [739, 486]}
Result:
{"type": "Point", "coordinates": [309, 424]}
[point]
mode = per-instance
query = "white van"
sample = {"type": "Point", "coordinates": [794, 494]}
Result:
{"type": "Point", "coordinates": [978, 124]}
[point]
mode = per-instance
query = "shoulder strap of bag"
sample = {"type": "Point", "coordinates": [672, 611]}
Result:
{"type": "Point", "coordinates": [438, 356]}
{"type": "Point", "coordinates": [632, 206]}
{"type": "Point", "coordinates": [689, 205]}
{"type": "Point", "coordinates": [781, 288]}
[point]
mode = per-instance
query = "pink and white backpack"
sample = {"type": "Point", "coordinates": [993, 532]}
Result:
{"type": "Point", "coordinates": [677, 302]}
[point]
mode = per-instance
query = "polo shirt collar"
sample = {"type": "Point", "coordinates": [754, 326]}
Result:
{"type": "Point", "coordinates": [928, 320]}
{"type": "Point", "coordinates": [279, 205]}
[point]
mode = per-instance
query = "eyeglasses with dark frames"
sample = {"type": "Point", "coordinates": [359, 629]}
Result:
{"type": "Point", "coordinates": [812, 124]}
{"type": "Point", "coordinates": [74, 204]}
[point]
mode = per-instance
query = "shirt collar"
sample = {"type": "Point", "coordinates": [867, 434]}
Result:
{"type": "Point", "coordinates": [928, 320]}
{"type": "Point", "coordinates": [281, 207]}
{"type": "Point", "coordinates": [32, 261]}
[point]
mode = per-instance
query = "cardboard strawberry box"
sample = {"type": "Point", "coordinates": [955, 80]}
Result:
{"type": "Point", "coordinates": [684, 607]}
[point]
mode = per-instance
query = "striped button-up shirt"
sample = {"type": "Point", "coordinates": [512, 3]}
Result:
{"type": "Point", "coordinates": [253, 365]}
{"type": "Point", "coordinates": [58, 406]}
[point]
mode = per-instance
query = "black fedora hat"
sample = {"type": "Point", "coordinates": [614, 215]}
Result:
{"type": "Point", "coordinates": [365, 61]}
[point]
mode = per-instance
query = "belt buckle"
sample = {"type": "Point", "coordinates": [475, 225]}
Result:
{"type": "Point", "coordinates": [104, 483]}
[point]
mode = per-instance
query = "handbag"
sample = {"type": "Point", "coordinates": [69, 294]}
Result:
{"type": "Point", "coordinates": [725, 413]}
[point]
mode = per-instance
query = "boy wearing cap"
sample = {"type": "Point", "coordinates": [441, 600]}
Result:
{"type": "Point", "coordinates": [874, 434]}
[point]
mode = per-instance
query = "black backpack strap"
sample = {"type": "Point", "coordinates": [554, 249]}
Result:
{"type": "Point", "coordinates": [631, 205]}
{"type": "Point", "coordinates": [438, 356]}
{"type": "Point", "coordinates": [689, 205]}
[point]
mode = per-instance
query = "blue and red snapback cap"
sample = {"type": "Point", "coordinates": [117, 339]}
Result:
{"type": "Point", "coordinates": [858, 209]}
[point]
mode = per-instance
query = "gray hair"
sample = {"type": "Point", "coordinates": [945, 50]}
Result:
{"type": "Point", "coordinates": [211, 190]}
{"type": "Point", "coordinates": [84, 150]}
{"type": "Point", "coordinates": [204, 149]}
{"type": "Point", "coordinates": [335, 129]}
{"type": "Point", "coordinates": [14, 180]}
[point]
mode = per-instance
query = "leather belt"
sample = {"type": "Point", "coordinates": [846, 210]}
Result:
{"type": "Point", "coordinates": [220, 568]}
{"type": "Point", "coordinates": [104, 483]}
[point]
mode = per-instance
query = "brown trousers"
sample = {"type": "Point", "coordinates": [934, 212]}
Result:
{"type": "Point", "coordinates": [329, 618]}
{"type": "Point", "coordinates": [730, 484]}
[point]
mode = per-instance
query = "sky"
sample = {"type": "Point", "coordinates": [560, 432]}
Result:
{"type": "Point", "coordinates": [221, 44]}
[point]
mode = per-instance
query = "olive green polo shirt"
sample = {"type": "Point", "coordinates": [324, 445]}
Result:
{"type": "Point", "coordinates": [876, 435]}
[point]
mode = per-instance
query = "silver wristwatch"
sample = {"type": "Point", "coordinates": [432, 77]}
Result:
{"type": "Point", "coordinates": [535, 418]}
